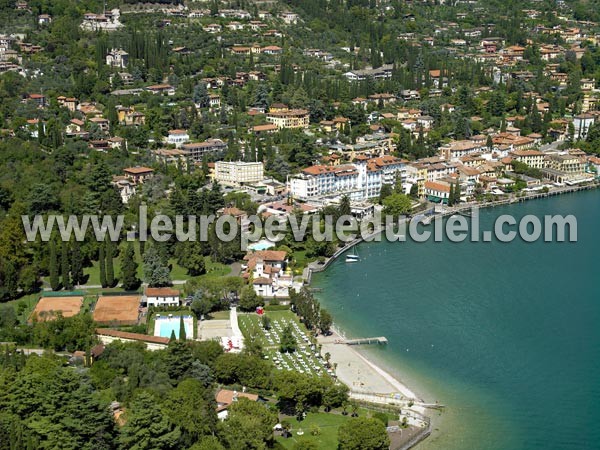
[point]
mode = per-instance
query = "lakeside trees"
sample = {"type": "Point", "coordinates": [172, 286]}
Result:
{"type": "Point", "coordinates": [397, 204]}
{"type": "Point", "coordinates": [361, 433]}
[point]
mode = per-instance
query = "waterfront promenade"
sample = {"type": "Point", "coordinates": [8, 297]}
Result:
{"type": "Point", "coordinates": [317, 266]}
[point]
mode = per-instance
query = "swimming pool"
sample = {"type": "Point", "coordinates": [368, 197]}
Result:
{"type": "Point", "coordinates": [261, 245]}
{"type": "Point", "coordinates": [164, 326]}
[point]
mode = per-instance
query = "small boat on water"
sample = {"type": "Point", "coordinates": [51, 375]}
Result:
{"type": "Point", "coordinates": [352, 257]}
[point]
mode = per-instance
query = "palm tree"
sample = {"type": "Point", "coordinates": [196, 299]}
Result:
{"type": "Point", "coordinates": [345, 409]}
{"type": "Point", "coordinates": [354, 409]}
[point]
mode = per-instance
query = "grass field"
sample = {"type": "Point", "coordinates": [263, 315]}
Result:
{"type": "Point", "coordinates": [28, 302]}
{"type": "Point", "coordinates": [323, 425]}
{"type": "Point", "coordinates": [326, 424]}
{"type": "Point", "coordinates": [213, 269]}
{"type": "Point", "coordinates": [220, 315]}
{"type": "Point", "coordinates": [301, 261]}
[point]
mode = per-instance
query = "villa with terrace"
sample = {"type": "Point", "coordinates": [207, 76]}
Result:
{"type": "Point", "coordinates": [266, 271]}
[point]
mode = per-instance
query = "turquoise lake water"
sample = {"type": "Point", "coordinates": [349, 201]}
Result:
{"type": "Point", "coordinates": [506, 335]}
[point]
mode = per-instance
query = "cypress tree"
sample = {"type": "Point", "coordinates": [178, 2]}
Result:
{"type": "Point", "coordinates": [110, 269]}
{"type": "Point", "coordinates": [76, 264]}
{"type": "Point", "coordinates": [101, 264]}
{"type": "Point", "coordinates": [129, 269]}
{"type": "Point", "coordinates": [65, 265]}
{"type": "Point", "coordinates": [53, 268]}
{"type": "Point", "coordinates": [457, 193]}
{"type": "Point", "coordinates": [173, 338]}
{"type": "Point", "coordinates": [182, 336]}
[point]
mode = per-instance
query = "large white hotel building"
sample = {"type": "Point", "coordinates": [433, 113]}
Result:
{"type": "Point", "coordinates": [360, 180]}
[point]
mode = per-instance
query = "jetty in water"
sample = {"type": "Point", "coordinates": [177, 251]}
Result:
{"type": "Point", "coordinates": [361, 341]}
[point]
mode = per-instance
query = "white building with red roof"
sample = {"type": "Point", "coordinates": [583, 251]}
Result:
{"type": "Point", "coordinates": [361, 180]}
{"type": "Point", "coordinates": [266, 271]}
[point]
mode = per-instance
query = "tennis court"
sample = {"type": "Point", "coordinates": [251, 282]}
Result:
{"type": "Point", "coordinates": [117, 309]}
{"type": "Point", "coordinates": [48, 307]}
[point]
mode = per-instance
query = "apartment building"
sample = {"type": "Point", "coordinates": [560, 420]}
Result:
{"type": "Point", "coordinates": [198, 150]}
{"type": "Point", "coordinates": [238, 172]}
{"type": "Point", "coordinates": [532, 158]}
{"type": "Point", "coordinates": [289, 118]}
{"type": "Point", "coordinates": [361, 180]}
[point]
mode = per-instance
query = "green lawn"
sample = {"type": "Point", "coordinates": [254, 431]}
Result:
{"type": "Point", "coordinates": [327, 425]}
{"type": "Point", "coordinates": [301, 261]}
{"type": "Point", "coordinates": [220, 315]}
{"type": "Point", "coordinates": [88, 301]}
{"type": "Point", "coordinates": [29, 302]}
{"type": "Point", "coordinates": [213, 269]}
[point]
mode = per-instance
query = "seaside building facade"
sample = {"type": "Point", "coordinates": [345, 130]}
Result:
{"type": "Point", "coordinates": [361, 180]}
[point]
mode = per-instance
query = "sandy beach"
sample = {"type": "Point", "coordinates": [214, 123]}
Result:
{"type": "Point", "coordinates": [366, 380]}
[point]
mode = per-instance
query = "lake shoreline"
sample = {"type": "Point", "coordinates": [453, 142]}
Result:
{"type": "Point", "coordinates": [377, 376]}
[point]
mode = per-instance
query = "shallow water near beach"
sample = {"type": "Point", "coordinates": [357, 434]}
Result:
{"type": "Point", "coordinates": [507, 336]}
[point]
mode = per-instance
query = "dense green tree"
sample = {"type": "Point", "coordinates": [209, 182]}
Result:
{"type": "Point", "coordinates": [206, 352]}
{"type": "Point", "coordinates": [361, 433]}
{"type": "Point", "coordinates": [9, 279]}
{"type": "Point", "coordinates": [202, 373]}
{"type": "Point", "coordinates": [191, 407]}
{"type": "Point", "coordinates": [53, 268]}
{"type": "Point", "coordinates": [102, 266]}
{"type": "Point", "coordinates": [147, 427]}
{"type": "Point", "coordinates": [201, 305]}
{"type": "Point", "coordinates": [396, 205]}
{"type": "Point", "coordinates": [44, 394]}
{"type": "Point", "coordinates": [248, 370]}
{"type": "Point", "coordinates": [156, 272]}
{"type": "Point", "coordinates": [249, 425]}
{"type": "Point", "coordinates": [42, 198]}
{"type": "Point", "coordinates": [110, 268]}
{"type": "Point", "coordinates": [65, 265]}
{"type": "Point", "coordinates": [201, 97]}
{"type": "Point", "coordinates": [191, 257]}
{"type": "Point", "coordinates": [77, 275]}
{"type": "Point", "coordinates": [287, 343]}
{"type": "Point", "coordinates": [129, 266]}
{"type": "Point", "coordinates": [182, 333]}
{"type": "Point", "coordinates": [249, 299]}
{"type": "Point", "coordinates": [325, 321]}
{"type": "Point", "coordinates": [398, 188]}
{"type": "Point", "coordinates": [207, 443]}
{"type": "Point", "coordinates": [178, 359]}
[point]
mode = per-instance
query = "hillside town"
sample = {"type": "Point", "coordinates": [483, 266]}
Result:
{"type": "Point", "coordinates": [254, 108]}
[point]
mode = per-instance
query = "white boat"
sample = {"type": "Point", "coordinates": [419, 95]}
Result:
{"type": "Point", "coordinates": [352, 257]}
